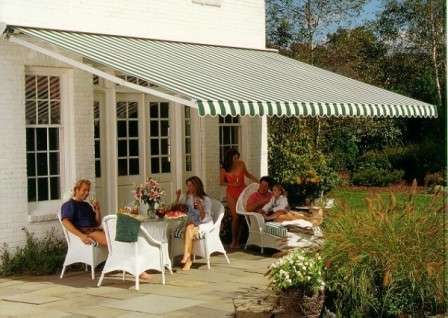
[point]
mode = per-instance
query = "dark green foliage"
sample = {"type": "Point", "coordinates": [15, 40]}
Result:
{"type": "Point", "coordinates": [294, 160]}
{"type": "Point", "coordinates": [417, 160]}
{"type": "Point", "coordinates": [38, 256]}
{"type": "Point", "coordinates": [376, 177]}
{"type": "Point", "coordinates": [386, 258]}
{"type": "Point", "coordinates": [375, 169]}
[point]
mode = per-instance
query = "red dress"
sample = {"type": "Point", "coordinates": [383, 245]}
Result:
{"type": "Point", "coordinates": [235, 184]}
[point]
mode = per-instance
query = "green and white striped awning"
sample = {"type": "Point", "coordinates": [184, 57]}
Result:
{"type": "Point", "coordinates": [235, 81]}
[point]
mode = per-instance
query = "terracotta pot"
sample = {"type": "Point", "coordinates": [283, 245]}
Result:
{"type": "Point", "coordinates": [299, 304]}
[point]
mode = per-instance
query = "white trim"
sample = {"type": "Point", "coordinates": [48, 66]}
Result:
{"type": "Point", "coordinates": [177, 139]}
{"type": "Point", "coordinates": [142, 144]}
{"type": "Point", "coordinates": [111, 171]}
{"type": "Point", "coordinates": [198, 145]}
{"type": "Point", "coordinates": [264, 146]}
{"type": "Point", "coordinates": [100, 73]}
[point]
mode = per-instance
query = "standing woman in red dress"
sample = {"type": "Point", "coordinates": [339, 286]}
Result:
{"type": "Point", "coordinates": [233, 171]}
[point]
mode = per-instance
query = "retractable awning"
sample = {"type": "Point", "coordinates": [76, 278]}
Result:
{"type": "Point", "coordinates": [234, 81]}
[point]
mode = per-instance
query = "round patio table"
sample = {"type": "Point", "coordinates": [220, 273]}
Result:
{"type": "Point", "coordinates": [160, 229]}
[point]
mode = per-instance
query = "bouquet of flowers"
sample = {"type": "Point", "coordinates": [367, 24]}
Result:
{"type": "Point", "coordinates": [149, 194]}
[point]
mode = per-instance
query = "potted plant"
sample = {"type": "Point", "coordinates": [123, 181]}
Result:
{"type": "Point", "coordinates": [298, 280]}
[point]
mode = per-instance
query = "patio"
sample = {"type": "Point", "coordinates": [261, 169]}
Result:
{"type": "Point", "coordinates": [199, 292]}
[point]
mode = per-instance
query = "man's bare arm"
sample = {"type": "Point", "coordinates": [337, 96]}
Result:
{"type": "Point", "coordinates": [255, 207]}
{"type": "Point", "coordinates": [72, 229]}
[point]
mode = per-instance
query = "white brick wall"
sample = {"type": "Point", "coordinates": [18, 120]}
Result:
{"type": "Point", "coordinates": [14, 212]}
{"type": "Point", "coordinates": [238, 23]}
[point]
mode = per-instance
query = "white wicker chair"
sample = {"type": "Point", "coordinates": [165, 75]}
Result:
{"type": "Point", "coordinates": [134, 258]}
{"type": "Point", "coordinates": [260, 237]}
{"type": "Point", "coordinates": [255, 223]}
{"type": "Point", "coordinates": [209, 243]}
{"type": "Point", "coordinates": [78, 252]}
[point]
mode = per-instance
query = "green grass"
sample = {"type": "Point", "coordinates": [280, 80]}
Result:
{"type": "Point", "coordinates": [356, 199]}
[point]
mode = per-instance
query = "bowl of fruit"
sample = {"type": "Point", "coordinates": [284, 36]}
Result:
{"type": "Point", "coordinates": [177, 211]}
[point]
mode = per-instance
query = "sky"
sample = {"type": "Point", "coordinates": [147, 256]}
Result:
{"type": "Point", "coordinates": [369, 12]}
{"type": "Point", "coordinates": [371, 9]}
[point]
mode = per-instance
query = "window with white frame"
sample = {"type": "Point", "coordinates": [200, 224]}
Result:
{"type": "Point", "coordinates": [97, 138]}
{"type": "Point", "coordinates": [127, 138]}
{"type": "Point", "coordinates": [229, 134]}
{"type": "Point", "coordinates": [187, 133]}
{"type": "Point", "coordinates": [159, 142]}
{"type": "Point", "coordinates": [43, 132]}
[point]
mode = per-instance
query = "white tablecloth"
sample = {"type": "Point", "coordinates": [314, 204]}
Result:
{"type": "Point", "coordinates": [160, 230]}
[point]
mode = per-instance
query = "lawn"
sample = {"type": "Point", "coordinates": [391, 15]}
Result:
{"type": "Point", "coordinates": [355, 198]}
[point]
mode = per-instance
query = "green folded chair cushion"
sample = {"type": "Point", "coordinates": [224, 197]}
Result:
{"type": "Point", "coordinates": [127, 228]}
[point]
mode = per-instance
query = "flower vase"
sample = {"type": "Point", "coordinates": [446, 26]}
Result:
{"type": "Point", "coordinates": [151, 210]}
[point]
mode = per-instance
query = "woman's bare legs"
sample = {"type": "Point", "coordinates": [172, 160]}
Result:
{"type": "Point", "coordinates": [235, 222]}
{"type": "Point", "coordinates": [188, 246]}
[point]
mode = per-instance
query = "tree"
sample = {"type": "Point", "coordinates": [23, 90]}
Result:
{"type": "Point", "coordinates": [417, 26]}
{"type": "Point", "coordinates": [306, 21]}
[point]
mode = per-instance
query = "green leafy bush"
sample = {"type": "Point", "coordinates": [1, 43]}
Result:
{"type": "Point", "coordinates": [417, 160]}
{"type": "Point", "coordinates": [375, 169]}
{"type": "Point", "coordinates": [37, 257]}
{"type": "Point", "coordinates": [298, 163]}
{"type": "Point", "coordinates": [386, 259]}
{"type": "Point", "coordinates": [376, 177]}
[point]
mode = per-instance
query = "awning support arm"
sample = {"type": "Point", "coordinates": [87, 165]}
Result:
{"type": "Point", "coordinates": [100, 73]}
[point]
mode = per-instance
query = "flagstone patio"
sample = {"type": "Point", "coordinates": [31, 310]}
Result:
{"type": "Point", "coordinates": [197, 293]}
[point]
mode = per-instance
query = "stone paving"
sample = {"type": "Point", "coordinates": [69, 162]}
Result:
{"type": "Point", "coordinates": [197, 293]}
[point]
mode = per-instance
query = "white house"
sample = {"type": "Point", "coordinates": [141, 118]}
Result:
{"type": "Point", "coordinates": [117, 91]}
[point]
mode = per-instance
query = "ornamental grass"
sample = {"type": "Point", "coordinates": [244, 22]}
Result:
{"type": "Point", "coordinates": [386, 259]}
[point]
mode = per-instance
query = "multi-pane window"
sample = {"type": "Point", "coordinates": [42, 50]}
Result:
{"type": "Point", "coordinates": [43, 128]}
{"type": "Point", "coordinates": [159, 137]}
{"type": "Point", "coordinates": [97, 138]}
{"type": "Point", "coordinates": [229, 131]}
{"type": "Point", "coordinates": [127, 136]}
{"type": "Point", "coordinates": [187, 115]}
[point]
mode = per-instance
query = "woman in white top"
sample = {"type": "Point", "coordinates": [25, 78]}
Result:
{"type": "Point", "coordinates": [277, 209]}
{"type": "Point", "coordinates": [278, 204]}
{"type": "Point", "coordinates": [199, 215]}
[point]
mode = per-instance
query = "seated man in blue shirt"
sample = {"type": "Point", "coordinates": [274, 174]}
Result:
{"type": "Point", "coordinates": [81, 218]}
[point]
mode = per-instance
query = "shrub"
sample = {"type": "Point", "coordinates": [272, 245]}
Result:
{"type": "Point", "coordinates": [386, 259]}
{"type": "Point", "coordinates": [293, 155]}
{"type": "Point", "coordinates": [417, 160]}
{"type": "Point", "coordinates": [374, 159]}
{"type": "Point", "coordinates": [434, 179]}
{"type": "Point", "coordinates": [38, 256]}
{"type": "Point", "coordinates": [376, 177]}
{"type": "Point", "coordinates": [375, 169]}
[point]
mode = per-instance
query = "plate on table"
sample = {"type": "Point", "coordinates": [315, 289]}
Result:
{"type": "Point", "coordinates": [174, 215]}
